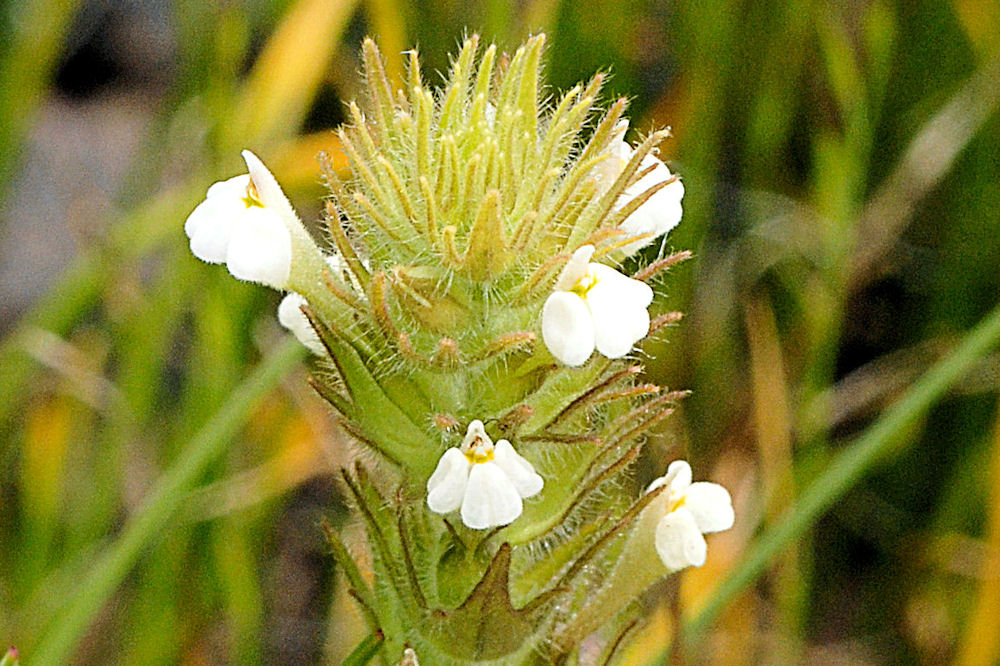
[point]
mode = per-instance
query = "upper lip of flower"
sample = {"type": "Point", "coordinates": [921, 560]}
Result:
{"type": "Point", "coordinates": [477, 446]}
{"type": "Point", "coordinates": [576, 268]}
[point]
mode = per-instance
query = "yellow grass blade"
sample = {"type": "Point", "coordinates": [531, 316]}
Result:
{"type": "Point", "coordinates": [982, 632]}
{"type": "Point", "coordinates": [46, 439]}
{"type": "Point", "coordinates": [387, 23]}
{"type": "Point", "coordinates": [294, 162]}
{"type": "Point", "coordinates": [288, 73]}
{"type": "Point", "coordinates": [981, 21]}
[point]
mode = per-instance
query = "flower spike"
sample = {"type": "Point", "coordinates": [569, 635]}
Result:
{"type": "Point", "coordinates": [466, 225]}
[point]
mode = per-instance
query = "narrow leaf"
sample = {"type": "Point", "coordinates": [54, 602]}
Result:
{"type": "Point", "coordinates": [366, 650]}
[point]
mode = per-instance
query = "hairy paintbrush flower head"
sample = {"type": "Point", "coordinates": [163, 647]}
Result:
{"type": "Point", "coordinates": [460, 202]}
{"type": "Point", "coordinates": [692, 509]}
{"type": "Point", "coordinates": [594, 306]}
{"type": "Point", "coordinates": [486, 481]}
{"type": "Point", "coordinates": [470, 220]}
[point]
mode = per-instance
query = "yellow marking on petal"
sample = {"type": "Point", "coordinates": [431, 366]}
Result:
{"type": "Point", "coordinates": [476, 456]}
{"type": "Point", "coordinates": [253, 196]}
{"type": "Point", "coordinates": [479, 450]}
{"type": "Point", "coordinates": [584, 285]}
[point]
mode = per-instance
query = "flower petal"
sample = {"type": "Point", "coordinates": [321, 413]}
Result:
{"type": "Point", "coordinates": [210, 228]}
{"type": "Point", "coordinates": [710, 505]}
{"type": "Point", "coordinates": [658, 482]}
{"type": "Point", "coordinates": [290, 316]}
{"type": "Point", "coordinates": [210, 224]}
{"type": "Point", "coordinates": [679, 473]}
{"type": "Point", "coordinates": [260, 249]}
{"type": "Point", "coordinates": [475, 430]}
{"type": "Point", "coordinates": [518, 470]}
{"type": "Point", "coordinates": [490, 499]}
{"type": "Point", "coordinates": [575, 268]}
{"type": "Point", "coordinates": [659, 174]}
{"type": "Point", "coordinates": [634, 291]}
{"type": "Point", "coordinates": [268, 191]}
{"type": "Point", "coordinates": [618, 307]}
{"type": "Point", "coordinates": [658, 214]}
{"type": "Point", "coordinates": [679, 542]}
{"type": "Point", "coordinates": [568, 328]}
{"type": "Point", "coordinates": [235, 187]}
{"type": "Point", "coordinates": [446, 487]}
{"type": "Point", "coordinates": [619, 152]}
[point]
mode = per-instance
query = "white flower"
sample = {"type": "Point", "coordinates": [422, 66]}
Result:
{"type": "Point", "coordinates": [594, 306]}
{"type": "Point", "coordinates": [487, 482]}
{"type": "Point", "coordinates": [693, 509]}
{"type": "Point", "coordinates": [291, 317]}
{"type": "Point", "coordinates": [243, 223]}
{"type": "Point", "coordinates": [661, 212]}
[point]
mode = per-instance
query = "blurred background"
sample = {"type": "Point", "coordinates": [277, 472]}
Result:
{"type": "Point", "coordinates": [164, 468]}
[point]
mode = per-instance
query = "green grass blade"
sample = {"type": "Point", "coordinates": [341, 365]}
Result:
{"type": "Point", "coordinates": [848, 467]}
{"type": "Point", "coordinates": [366, 650]}
{"type": "Point", "coordinates": [160, 505]}
{"type": "Point", "coordinates": [32, 49]}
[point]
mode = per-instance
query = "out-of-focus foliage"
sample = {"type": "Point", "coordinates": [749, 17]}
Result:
{"type": "Point", "coordinates": [840, 163]}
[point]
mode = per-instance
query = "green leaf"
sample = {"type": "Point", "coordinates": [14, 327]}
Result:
{"type": "Point", "coordinates": [385, 426]}
{"type": "Point", "coordinates": [559, 389]}
{"type": "Point", "coordinates": [360, 589]}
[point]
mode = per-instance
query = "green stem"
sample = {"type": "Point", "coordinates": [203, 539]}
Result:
{"type": "Point", "coordinates": [160, 506]}
{"type": "Point", "coordinates": [848, 467]}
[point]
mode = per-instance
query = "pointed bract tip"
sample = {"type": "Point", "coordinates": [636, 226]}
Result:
{"type": "Point", "coordinates": [445, 422]}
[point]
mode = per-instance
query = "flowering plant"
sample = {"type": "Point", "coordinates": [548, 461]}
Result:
{"type": "Point", "coordinates": [499, 474]}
